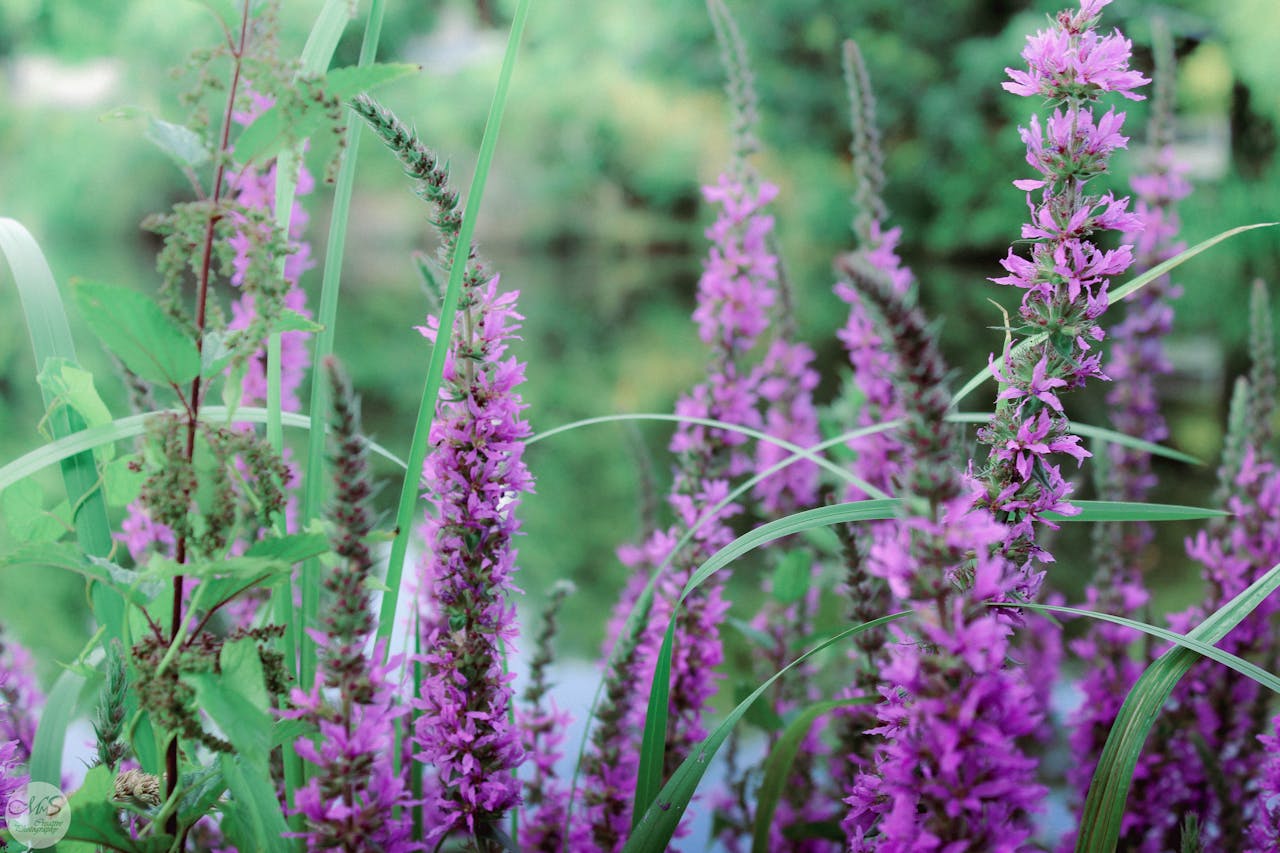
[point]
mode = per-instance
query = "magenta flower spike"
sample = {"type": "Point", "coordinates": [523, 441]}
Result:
{"type": "Point", "coordinates": [1065, 279]}
{"type": "Point", "coordinates": [475, 478]}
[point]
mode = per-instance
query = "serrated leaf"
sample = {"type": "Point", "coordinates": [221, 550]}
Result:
{"type": "Point", "coordinates": [792, 576]}
{"type": "Point", "coordinates": [72, 385]}
{"type": "Point", "coordinates": [234, 708]}
{"type": "Point", "coordinates": [122, 483]}
{"type": "Point", "coordinates": [292, 321]}
{"type": "Point", "coordinates": [351, 80]}
{"type": "Point", "coordinates": [139, 332]}
{"type": "Point", "coordinates": [291, 548]}
{"type": "Point", "coordinates": [24, 515]}
{"type": "Point", "coordinates": [251, 818]}
{"type": "Point", "coordinates": [242, 668]}
{"type": "Point", "coordinates": [183, 145]}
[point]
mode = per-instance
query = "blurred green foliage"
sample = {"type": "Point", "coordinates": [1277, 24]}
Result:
{"type": "Point", "coordinates": [594, 211]}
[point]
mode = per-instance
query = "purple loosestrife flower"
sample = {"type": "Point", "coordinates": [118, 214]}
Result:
{"type": "Point", "coordinates": [1264, 832]}
{"type": "Point", "coordinates": [475, 478]}
{"type": "Point", "coordinates": [20, 699]}
{"type": "Point", "coordinates": [947, 771]}
{"type": "Point", "coordinates": [1064, 280]}
{"type": "Point", "coordinates": [734, 294]}
{"type": "Point", "coordinates": [11, 780]}
{"type": "Point", "coordinates": [785, 381]}
{"type": "Point", "coordinates": [353, 797]}
{"type": "Point", "coordinates": [545, 816]}
{"type": "Point", "coordinates": [1137, 360]}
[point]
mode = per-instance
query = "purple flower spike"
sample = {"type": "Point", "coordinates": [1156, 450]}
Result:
{"type": "Point", "coordinates": [475, 478]}
{"type": "Point", "coordinates": [1064, 280]}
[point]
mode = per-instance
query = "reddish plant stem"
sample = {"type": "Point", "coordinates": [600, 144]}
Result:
{"type": "Point", "coordinates": [193, 412]}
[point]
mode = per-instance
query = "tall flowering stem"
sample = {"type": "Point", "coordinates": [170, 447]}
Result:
{"type": "Point", "coordinates": [544, 820]}
{"type": "Point", "coordinates": [872, 388]}
{"type": "Point", "coordinates": [1137, 361]}
{"type": "Point", "coordinates": [474, 479]}
{"type": "Point", "coordinates": [947, 771]}
{"type": "Point", "coordinates": [1064, 282]}
{"type": "Point", "coordinates": [355, 797]}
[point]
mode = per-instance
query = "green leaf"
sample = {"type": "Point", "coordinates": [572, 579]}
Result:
{"type": "Point", "coordinates": [183, 145]}
{"type": "Point", "coordinates": [72, 385]}
{"type": "Point", "coordinates": [51, 734]}
{"type": "Point", "coordinates": [122, 483]}
{"type": "Point", "coordinates": [777, 768]}
{"type": "Point", "coordinates": [292, 321]}
{"type": "Point", "coordinates": [1127, 511]}
{"type": "Point", "coordinates": [251, 818]}
{"type": "Point", "coordinates": [657, 823]}
{"type": "Point", "coordinates": [51, 338]}
{"type": "Point", "coordinates": [235, 709]}
{"type": "Point", "coordinates": [1104, 805]}
{"type": "Point", "coordinates": [352, 80]}
{"type": "Point", "coordinates": [290, 549]}
{"type": "Point", "coordinates": [139, 332]}
{"type": "Point", "coordinates": [791, 577]}
{"type": "Point", "coordinates": [653, 744]}
{"type": "Point", "coordinates": [277, 128]}
{"type": "Point", "coordinates": [762, 716]}
{"type": "Point", "coordinates": [23, 507]}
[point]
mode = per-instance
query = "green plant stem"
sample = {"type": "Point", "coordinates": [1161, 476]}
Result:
{"type": "Point", "coordinates": [193, 402]}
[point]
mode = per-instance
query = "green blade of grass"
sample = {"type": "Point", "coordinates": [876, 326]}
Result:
{"type": "Point", "coordinates": [1131, 511]}
{"type": "Point", "coordinates": [653, 744]}
{"type": "Point", "coordinates": [1121, 292]}
{"type": "Point", "coordinates": [777, 768]}
{"type": "Point", "coordinates": [50, 333]}
{"type": "Point", "coordinates": [60, 707]}
{"type": "Point", "coordinates": [132, 426]}
{"type": "Point", "coordinates": [661, 816]}
{"type": "Point", "coordinates": [1104, 805]}
{"type": "Point", "coordinates": [448, 309]}
{"type": "Point", "coordinates": [809, 453]}
{"type": "Point", "coordinates": [1100, 433]}
{"type": "Point", "coordinates": [643, 602]}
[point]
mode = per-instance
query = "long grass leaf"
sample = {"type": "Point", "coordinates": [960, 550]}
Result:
{"type": "Point", "coordinates": [662, 814]}
{"type": "Point", "coordinates": [644, 600]}
{"type": "Point", "coordinates": [448, 309]}
{"type": "Point", "coordinates": [1100, 433]}
{"type": "Point", "coordinates": [1132, 511]}
{"type": "Point", "coordinates": [809, 453]}
{"type": "Point", "coordinates": [59, 708]}
{"type": "Point", "coordinates": [1121, 292]}
{"type": "Point", "coordinates": [777, 768]}
{"type": "Point", "coordinates": [1104, 805]}
{"type": "Point", "coordinates": [132, 426]}
{"type": "Point", "coordinates": [653, 743]}
{"type": "Point", "coordinates": [1186, 641]}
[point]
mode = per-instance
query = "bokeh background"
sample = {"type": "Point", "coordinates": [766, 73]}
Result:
{"type": "Point", "coordinates": [593, 212]}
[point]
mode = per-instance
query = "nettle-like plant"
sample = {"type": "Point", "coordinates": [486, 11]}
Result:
{"type": "Point", "coordinates": [244, 684]}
